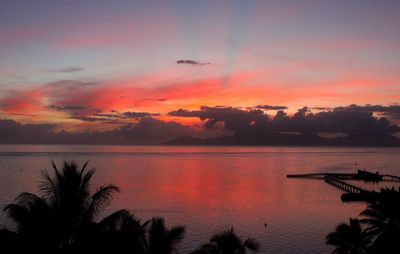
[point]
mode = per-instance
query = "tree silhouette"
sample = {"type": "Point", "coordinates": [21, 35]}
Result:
{"type": "Point", "coordinates": [122, 232]}
{"type": "Point", "coordinates": [349, 238]}
{"type": "Point", "coordinates": [9, 242]}
{"type": "Point", "coordinates": [63, 214]}
{"type": "Point", "coordinates": [64, 219]}
{"type": "Point", "coordinates": [383, 219]}
{"type": "Point", "coordinates": [162, 240]}
{"type": "Point", "coordinates": [228, 242]}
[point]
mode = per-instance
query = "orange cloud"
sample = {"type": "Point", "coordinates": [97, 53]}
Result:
{"type": "Point", "coordinates": [70, 102]}
{"type": "Point", "coordinates": [27, 102]}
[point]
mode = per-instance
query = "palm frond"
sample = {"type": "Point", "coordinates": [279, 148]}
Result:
{"type": "Point", "coordinates": [85, 180]}
{"type": "Point", "coordinates": [17, 213]}
{"type": "Point", "coordinates": [349, 238]}
{"type": "Point", "coordinates": [112, 220]}
{"type": "Point", "coordinates": [101, 198]}
{"type": "Point", "coordinates": [251, 244]}
{"type": "Point", "coordinates": [57, 172]}
{"type": "Point", "coordinates": [84, 167]}
{"type": "Point", "coordinates": [26, 198]}
{"type": "Point", "coordinates": [48, 187]}
{"type": "Point", "coordinates": [176, 234]}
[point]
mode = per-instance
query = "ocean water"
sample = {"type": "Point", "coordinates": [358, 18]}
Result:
{"type": "Point", "coordinates": [210, 189]}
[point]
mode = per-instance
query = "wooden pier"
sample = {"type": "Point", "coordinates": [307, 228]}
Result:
{"type": "Point", "coordinates": [321, 176]}
{"type": "Point", "coordinates": [353, 193]}
{"type": "Point", "coordinates": [343, 185]}
{"type": "Point", "coordinates": [362, 175]}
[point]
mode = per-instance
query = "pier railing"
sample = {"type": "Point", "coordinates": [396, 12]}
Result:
{"type": "Point", "coordinates": [343, 185]}
{"type": "Point", "coordinates": [353, 193]}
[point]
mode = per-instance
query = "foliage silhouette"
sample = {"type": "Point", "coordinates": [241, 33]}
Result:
{"type": "Point", "coordinates": [349, 238]}
{"type": "Point", "coordinates": [381, 220]}
{"type": "Point", "coordinates": [162, 240]}
{"type": "Point", "coordinates": [382, 216]}
{"type": "Point", "coordinates": [122, 232]}
{"type": "Point", "coordinates": [65, 219]}
{"type": "Point", "coordinates": [228, 242]}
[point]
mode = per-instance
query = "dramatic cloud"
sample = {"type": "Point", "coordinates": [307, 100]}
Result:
{"type": "Point", "coordinates": [66, 70]}
{"type": "Point", "coordinates": [269, 107]}
{"type": "Point", "coordinates": [392, 111]}
{"type": "Point", "coordinates": [192, 62]}
{"type": "Point", "coordinates": [352, 125]}
{"type": "Point", "coordinates": [341, 119]}
{"type": "Point", "coordinates": [233, 118]}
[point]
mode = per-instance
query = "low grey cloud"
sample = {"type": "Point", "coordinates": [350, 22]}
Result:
{"type": "Point", "coordinates": [322, 108]}
{"type": "Point", "coordinates": [67, 108]}
{"type": "Point", "coordinates": [90, 118]}
{"type": "Point", "coordinates": [15, 132]}
{"type": "Point", "coordinates": [192, 62]}
{"type": "Point", "coordinates": [135, 115]}
{"type": "Point", "coordinates": [269, 107]}
{"type": "Point", "coordinates": [112, 117]}
{"type": "Point", "coordinates": [71, 83]}
{"type": "Point", "coordinates": [146, 131]}
{"type": "Point", "coordinates": [66, 69]}
{"type": "Point", "coordinates": [160, 99]}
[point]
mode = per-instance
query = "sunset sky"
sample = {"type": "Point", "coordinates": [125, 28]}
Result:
{"type": "Point", "coordinates": [100, 65]}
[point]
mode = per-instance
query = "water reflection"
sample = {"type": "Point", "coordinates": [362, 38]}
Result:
{"type": "Point", "coordinates": [212, 189]}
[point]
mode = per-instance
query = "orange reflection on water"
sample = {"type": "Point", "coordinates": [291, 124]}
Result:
{"type": "Point", "coordinates": [209, 189]}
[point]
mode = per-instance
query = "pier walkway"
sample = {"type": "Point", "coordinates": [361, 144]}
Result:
{"type": "Point", "coordinates": [360, 175]}
{"type": "Point", "coordinates": [353, 193]}
{"type": "Point", "coordinates": [343, 185]}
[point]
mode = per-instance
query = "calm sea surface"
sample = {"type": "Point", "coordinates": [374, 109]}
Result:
{"type": "Point", "coordinates": [209, 189]}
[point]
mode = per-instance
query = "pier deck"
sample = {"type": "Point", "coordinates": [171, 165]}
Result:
{"type": "Point", "coordinates": [343, 185]}
{"type": "Point", "coordinates": [349, 176]}
{"type": "Point", "coordinates": [353, 193]}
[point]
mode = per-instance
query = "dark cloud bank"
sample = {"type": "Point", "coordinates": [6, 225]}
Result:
{"type": "Point", "coordinates": [342, 126]}
{"type": "Point", "coordinates": [345, 126]}
{"type": "Point", "coordinates": [146, 131]}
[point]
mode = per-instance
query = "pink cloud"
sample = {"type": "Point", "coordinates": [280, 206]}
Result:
{"type": "Point", "coordinates": [26, 102]}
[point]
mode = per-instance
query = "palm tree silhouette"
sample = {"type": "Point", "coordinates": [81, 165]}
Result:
{"type": "Point", "coordinates": [228, 242]}
{"type": "Point", "coordinates": [122, 232]}
{"type": "Point", "coordinates": [64, 220]}
{"type": "Point", "coordinates": [383, 219]}
{"type": "Point", "coordinates": [162, 240]}
{"type": "Point", "coordinates": [9, 242]}
{"type": "Point", "coordinates": [65, 212]}
{"type": "Point", "coordinates": [349, 238]}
